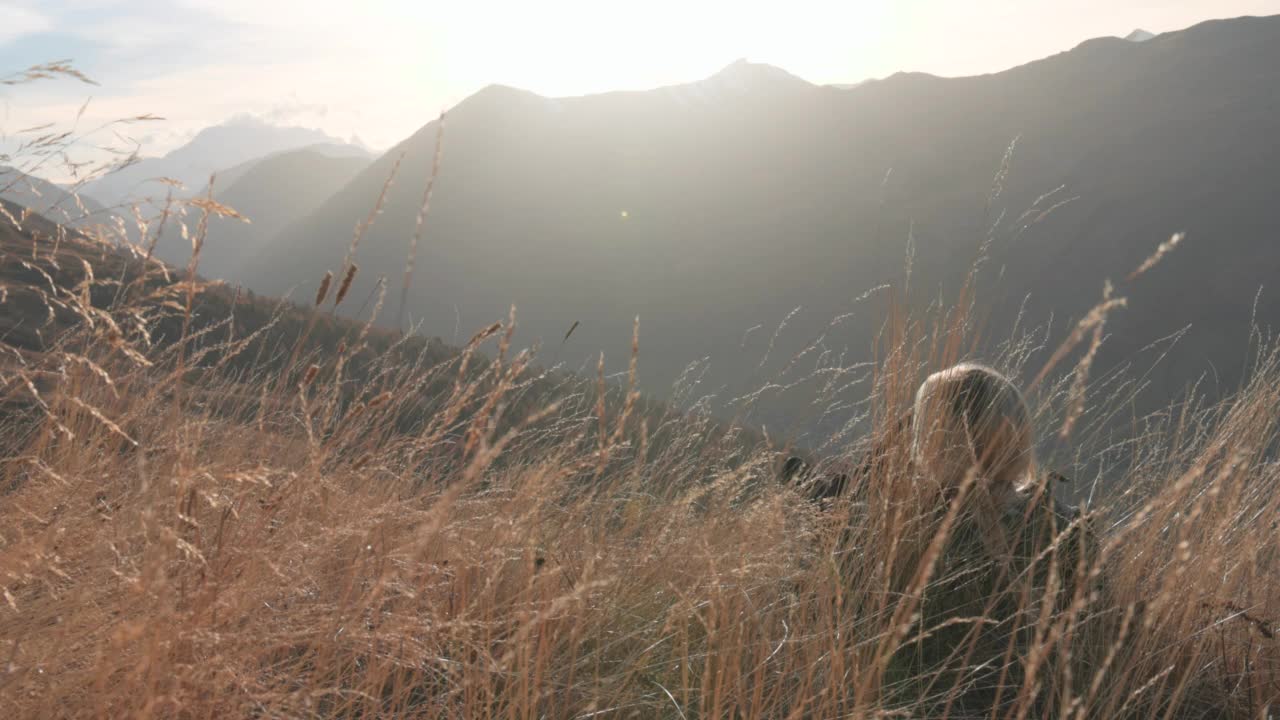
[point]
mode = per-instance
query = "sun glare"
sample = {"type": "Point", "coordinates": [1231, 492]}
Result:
{"type": "Point", "coordinates": [576, 47]}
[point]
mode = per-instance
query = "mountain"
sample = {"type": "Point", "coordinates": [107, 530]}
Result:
{"type": "Point", "coordinates": [713, 210]}
{"type": "Point", "coordinates": [213, 149]}
{"type": "Point", "coordinates": [272, 193]}
{"type": "Point", "coordinates": [48, 199]}
{"type": "Point", "coordinates": [338, 151]}
{"type": "Point", "coordinates": [1139, 35]}
{"type": "Point", "coordinates": [354, 148]}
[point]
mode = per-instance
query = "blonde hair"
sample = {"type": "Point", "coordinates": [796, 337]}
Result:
{"type": "Point", "coordinates": [970, 418]}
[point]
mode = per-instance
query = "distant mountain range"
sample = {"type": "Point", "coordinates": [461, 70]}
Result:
{"type": "Point", "coordinates": [280, 174]}
{"type": "Point", "coordinates": [226, 177]}
{"type": "Point", "coordinates": [714, 209]}
{"type": "Point", "coordinates": [222, 147]}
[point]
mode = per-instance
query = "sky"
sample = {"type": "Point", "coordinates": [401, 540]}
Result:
{"type": "Point", "coordinates": [380, 69]}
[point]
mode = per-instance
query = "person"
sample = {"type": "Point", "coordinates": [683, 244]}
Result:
{"type": "Point", "coordinates": [1011, 550]}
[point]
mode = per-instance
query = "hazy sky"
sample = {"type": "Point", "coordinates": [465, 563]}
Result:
{"type": "Point", "coordinates": [381, 68]}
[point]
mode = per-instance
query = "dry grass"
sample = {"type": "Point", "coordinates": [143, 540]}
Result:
{"type": "Point", "coordinates": [173, 546]}
{"type": "Point", "coordinates": [192, 530]}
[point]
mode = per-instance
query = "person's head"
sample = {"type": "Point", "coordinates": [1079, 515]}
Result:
{"type": "Point", "coordinates": [971, 418]}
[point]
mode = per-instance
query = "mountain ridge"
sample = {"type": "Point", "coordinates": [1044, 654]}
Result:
{"type": "Point", "coordinates": [271, 193]}
{"type": "Point", "coordinates": [237, 141]}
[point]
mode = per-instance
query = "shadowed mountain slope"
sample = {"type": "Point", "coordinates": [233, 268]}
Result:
{"type": "Point", "coordinates": [713, 210]}
{"type": "Point", "coordinates": [271, 193]}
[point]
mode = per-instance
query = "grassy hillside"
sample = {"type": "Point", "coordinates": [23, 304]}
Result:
{"type": "Point", "coordinates": [216, 506]}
